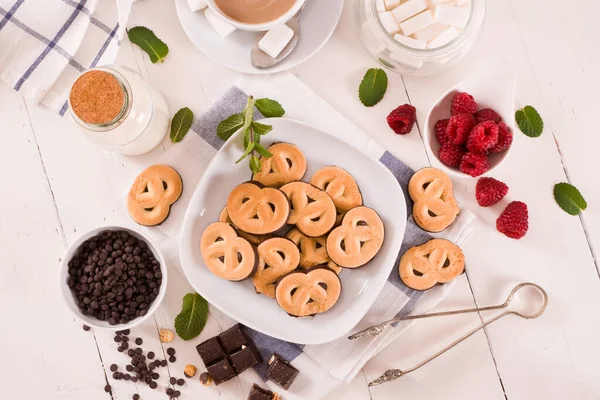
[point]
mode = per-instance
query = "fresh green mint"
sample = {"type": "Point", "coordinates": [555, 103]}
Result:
{"type": "Point", "coordinates": [252, 130]}
{"type": "Point", "coordinates": [147, 40]}
{"type": "Point", "coordinates": [192, 318]}
{"type": "Point", "coordinates": [569, 198]}
{"type": "Point", "coordinates": [373, 87]}
{"type": "Point", "coordinates": [181, 124]}
{"type": "Point", "coordinates": [529, 121]}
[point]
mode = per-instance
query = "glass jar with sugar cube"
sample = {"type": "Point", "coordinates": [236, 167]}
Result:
{"type": "Point", "coordinates": [420, 37]}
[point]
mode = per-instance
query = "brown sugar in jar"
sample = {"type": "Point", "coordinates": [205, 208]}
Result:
{"type": "Point", "coordinates": [97, 97]}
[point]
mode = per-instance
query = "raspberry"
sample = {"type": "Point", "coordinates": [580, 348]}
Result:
{"type": "Point", "coordinates": [483, 137]}
{"type": "Point", "coordinates": [505, 138]}
{"type": "Point", "coordinates": [463, 103]}
{"type": "Point", "coordinates": [459, 127]}
{"type": "Point", "coordinates": [474, 164]}
{"type": "Point", "coordinates": [513, 222]}
{"type": "Point", "coordinates": [451, 154]}
{"type": "Point", "coordinates": [402, 119]}
{"type": "Point", "coordinates": [440, 130]}
{"type": "Point", "coordinates": [490, 191]}
{"type": "Point", "coordinates": [487, 114]}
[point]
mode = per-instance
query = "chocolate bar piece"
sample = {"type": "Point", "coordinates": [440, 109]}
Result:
{"type": "Point", "coordinates": [233, 339]}
{"type": "Point", "coordinates": [258, 393]}
{"type": "Point", "coordinates": [244, 359]}
{"type": "Point", "coordinates": [281, 372]}
{"type": "Point", "coordinates": [210, 351]}
{"type": "Point", "coordinates": [221, 371]}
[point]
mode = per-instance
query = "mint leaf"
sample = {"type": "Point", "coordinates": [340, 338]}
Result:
{"type": "Point", "coordinates": [192, 318]}
{"type": "Point", "coordinates": [373, 87]}
{"type": "Point", "coordinates": [181, 124]}
{"type": "Point", "coordinates": [262, 151]}
{"type": "Point", "coordinates": [246, 152]}
{"type": "Point", "coordinates": [147, 40]}
{"type": "Point", "coordinates": [569, 198]}
{"type": "Point", "coordinates": [529, 121]}
{"type": "Point", "coordinates": [269, 108]}
{"type": "Point", "coordinates": [261, 129]}
{"type": "Point", "coordinates": [254, 164]}
{"type": "Point", "coordinates": [229, 126]}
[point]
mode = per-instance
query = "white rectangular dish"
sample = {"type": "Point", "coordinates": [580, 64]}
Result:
{"type": "Point", "coordinates": [360, 287]}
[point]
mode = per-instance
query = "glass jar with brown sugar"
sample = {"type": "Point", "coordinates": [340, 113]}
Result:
{"type": "Point", "coordinates": [118, 109]}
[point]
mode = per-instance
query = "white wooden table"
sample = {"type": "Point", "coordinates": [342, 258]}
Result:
{"type": "Point", "coordinates": [55, 184]}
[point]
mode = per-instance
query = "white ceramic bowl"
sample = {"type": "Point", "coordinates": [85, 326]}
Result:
{"type": "Point", "coordinates": [493, 86]}
{"type": "Point", "coordinates": [68, 296]}
{"type": "Point", "coordinates": [258, 27]}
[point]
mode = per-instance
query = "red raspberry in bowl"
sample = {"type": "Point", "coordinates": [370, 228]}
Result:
{"type": "Point", "coordinates": [451, 154]}
{"type": "Point", "coordinates": [514, 220]}
{"type": "Point", "coordinates": [505, 138]}
{"type": "Point", "coordinates": [459, 127]}
{"type": "Point", "coordinates": [402, 119]}
{"type": "Point", "coordinates": [463, 103]}
{"type": "Point", "coordinates": [490, 191]}
{"type": "Point", "coordinates": [487, 114]}
{"type": "Point", "coordinates": [440, 130]}
{"type": "Point", "coordinates": [474, 164]}
{"type": "Point", "coordinates": [483, 137]}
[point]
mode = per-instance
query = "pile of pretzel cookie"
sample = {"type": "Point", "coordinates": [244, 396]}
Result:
{"type": "Point", "coordinates": [292, 237]}
{"type": "Point", "coordinates": [435, 209]}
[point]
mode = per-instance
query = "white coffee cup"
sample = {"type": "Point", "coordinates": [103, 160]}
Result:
{"type": "Point", "coordinates": [265, 26]}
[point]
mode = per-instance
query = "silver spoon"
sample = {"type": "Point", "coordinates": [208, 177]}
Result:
{"type": "Point", "coordinates": [261, 60]}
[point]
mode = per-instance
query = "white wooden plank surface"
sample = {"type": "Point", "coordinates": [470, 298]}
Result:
{"type": "Point", "coordinates": [66, 185]}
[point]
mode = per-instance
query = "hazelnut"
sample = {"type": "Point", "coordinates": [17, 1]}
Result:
{"type": "Point", "coordinates": [276, 396]}
{"type": "Point", "coordinates": [206, 379]}
{"type": "Point", "coordinates": [189, 370]}
{"type": "Point", "coordinates": [166, 335]}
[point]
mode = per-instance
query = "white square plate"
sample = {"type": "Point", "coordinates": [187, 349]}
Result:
{"type": "Point", "coordinates": [360, 287]}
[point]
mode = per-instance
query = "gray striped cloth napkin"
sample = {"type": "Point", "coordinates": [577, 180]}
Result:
{"type": "Point", "coordinates": [47, 43]}
{"type": "Point", "coordinates": [322, 367]}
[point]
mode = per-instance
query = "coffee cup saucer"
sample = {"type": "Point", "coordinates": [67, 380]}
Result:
{"type": "Point", "coordinates": [317, 23]}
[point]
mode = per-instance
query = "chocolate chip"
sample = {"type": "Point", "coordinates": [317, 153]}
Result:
{"type": "Point", "coordinates": [169, 391]}
{"type": "Point", "coordinates": [114, 367]}
{"type": "Point", "coordinates": [107, 388]}
{"type": "Point", "coordinates": [171, 351]}
{"type": "Point", "coordinates": [115, 375]}
{"type": "Point", "coordinates": [136, 397]}
{"type": "Point", "coordinates": [155, 376]}
{"type": "Point", "coordinates": [125, 332]}
{"type": "Point", "coordinates": [129, 368]}
{"type": "Point", "coordinates": [172, 359]}
{"type": "Point", "coordinates": [120, 349]}
{"type": "Point", "coordinates": [131, 353]}
{"type": "Point", "coordinates": [180, 382]}
{"type": "Point", "coordinates": [151, 355]}
{"type": "Point", "coordinates": [139, 341]}
{"type": "Point", "coordinates": [139, 351]}
{"type": "Point", "coordinates": [126, 377]}
{"type": "Point", "coordinates": [153, 385]}
{"type": "Point", "coordinates": [117, 338]}
{"type": "Point", "coordinates": [176, 393]}
{"type": "Point", "coordinates": [163, 363]}
{"type": "Point", "coordinates": [173, 380]}
{"type": "Point", "coordinates": [87, 328]}
{"type": "Point", "coordinates": [134, 379]}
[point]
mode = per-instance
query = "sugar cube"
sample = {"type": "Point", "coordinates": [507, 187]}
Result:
{"type": "Point", "coordinates": [380, 5]}
{"type": "Point", "coordinates": [410, 42]}
{"type": "Point", "coordinates": [391, 4]}
{"type": "Point", "coordinates": [389, 22]}
{"type": "Point", "coordinates": [445, 37]}
{"type": "Point", "coordinates": [429, 33]}
{"type": "Point", "coordinates": [275, 40]}
{"type": "Point", "coordinates": [197, 5]}
{"type": "Point", "coordinates": [451, 15]}
{"type": "Point", "coordinates": [408, 9]}
{"type": "Point", "coordinates": [222, 27]}
{"type": "Point", "coordinates": [417, 23]}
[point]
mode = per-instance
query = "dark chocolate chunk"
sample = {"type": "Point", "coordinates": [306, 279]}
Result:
{"type": "Point", "coordinates": [281, 372]}
{"type": "Point", "coordinates": [233, 339]}
{"type": "Point", "coordinates": [210, 351]}
{"type": "Point", "coordinates": [221, 371]}
{"type": "Point", "coordinates": [86, 328]}
{"type": "Point", "coordinates": [258, 393]}
{"type": "Point", "coordinates": [244, 359]}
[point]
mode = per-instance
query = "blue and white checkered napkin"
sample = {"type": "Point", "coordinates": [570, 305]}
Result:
{"type": "Point", "coordinates": [322, 367]}
{"type": "Point", "coordinates": [45, 44]}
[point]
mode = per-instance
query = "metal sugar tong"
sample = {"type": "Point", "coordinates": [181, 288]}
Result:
{"type": "Point", "coordinates": [392, 374]}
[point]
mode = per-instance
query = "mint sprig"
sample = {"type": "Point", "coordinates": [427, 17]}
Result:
{"type": "Point", "coordinates": [569, 198]}
{"type": "Point", "coordinates": [192, 318]}
{"type": "Point", "coordinates": [373, 87]}
{"type": "Point", "coordinates": [529, 121]}
{"type": "Point", "coordinates": [149, 42]}
{"type": "Point", "coordinates": [252, 130]}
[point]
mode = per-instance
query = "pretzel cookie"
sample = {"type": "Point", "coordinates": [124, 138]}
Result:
{"type": "Point", "coordinates": [308, 292]}
{"type": "Point", "coordinates": [437, 261]}
{"type": "Point", "coordinates": [340, 186]}
{"type": "Point", "coordinates": [153, 192]}
{"type": "Point", "coordinates": [435, 207]}
{"type": "Point", "coordinates": [254, 239]}
{"type": "Point", "coordinates": [313, 251]}
{"type": "Point", "coordinates": [276, 257]}
{"type": "Point", "coordinates": [257, 210]}
{"type": "Point", "coordinates": [357, 240]}
{"type": "Point", "coordinates": [312, 210]}
{"type": "Point", "coordinates": [287, 164]}
{"type": "Point", "coordinates": [227, 255]}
